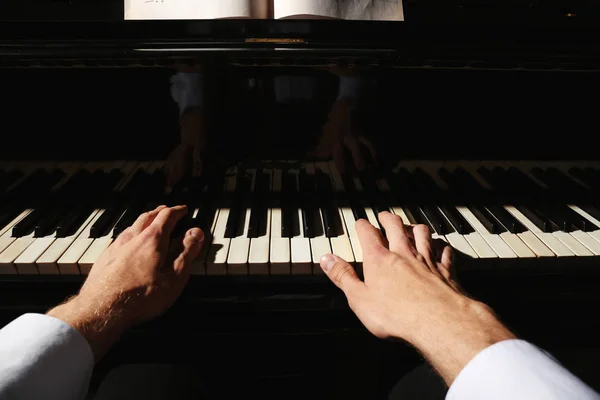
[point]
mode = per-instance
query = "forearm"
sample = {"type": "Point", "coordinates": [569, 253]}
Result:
{"type": "Point", "coordinates": [459, 334]}
{"type": "Point", "coordinates": [101, 322]}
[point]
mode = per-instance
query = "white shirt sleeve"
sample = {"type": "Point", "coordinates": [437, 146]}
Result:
{"type": "Point", "coordinates": [42, 357]}
{"type": "Point", "coordinates": [187, 90]}
{"type": "Point", "coordinates": [517, 370]}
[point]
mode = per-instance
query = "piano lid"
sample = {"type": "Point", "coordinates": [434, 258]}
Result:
{"type": "Point", "coordinates": [496, 34]}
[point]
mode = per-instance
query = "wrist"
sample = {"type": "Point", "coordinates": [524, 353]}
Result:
{"type": "Point", "coordinates": [455, 336]}
{"type": "Point", "coordinates": [100, 322]}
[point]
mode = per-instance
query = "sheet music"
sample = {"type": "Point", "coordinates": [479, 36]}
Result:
{"type": "Point", "coordinates": [195, 9]}
{"type": "Point", "coordinates": [379, 10]}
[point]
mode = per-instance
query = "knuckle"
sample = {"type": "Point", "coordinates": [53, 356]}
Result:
{"type": "Point", "coordinates": [422, 230]}
{"type": "Point", "coordinates": [124, 236]}
{"type": "Point", "coordinates": [340, 271]}
{"type": "Point", "coordinates": [153, 232]}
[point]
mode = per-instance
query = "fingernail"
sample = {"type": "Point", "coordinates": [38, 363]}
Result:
{"type": "Point", "coordinates": [327, 262]}
{"type": "Point", "coordinates": [197, 234]}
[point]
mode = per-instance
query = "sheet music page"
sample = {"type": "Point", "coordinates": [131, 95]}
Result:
{"type": "Point", "coordinates": [375, 10]}
{"type": "Point", "coordinates": [195, 9]}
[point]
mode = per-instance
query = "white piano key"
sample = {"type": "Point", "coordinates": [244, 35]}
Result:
{"type": "Point", "coordinates": [517, 245]}
{"type": "Point", "coordinates": [300, 251]}
{"type": "Point", "coordinates": [67, 260]}
{"type": "Point", "coordinates": [460, 244]}
{"type": "Point", "coordinates": [239, 247]}
{"type": "Point", "coordinates": [350, 224]}
{"type": "Point", "coordinates": [568, 239]}
{"type": "Point", "coordinates": [498, 245]}
{"type": "Point", "coordinates": [279, 248]}
{"type": "Point", "coordinates": [258, 259]}
{"type": "Point", "coordinates": [548, 239]}
{"type": "Point", "coordinates": [342, 245]}
{"type": "Point", "coordinates": [11, 253]}
{"type": "Point", "coordinates": [594, 244]}
{"type": "Point", "coordinates": [477, 242]}
{"type": "Point", "coordinates": [348, 221]}
{"type": "Point", "coordinates": [6, 240]}
{"type": "Point", "coordinates": [48, 262]}
{"type": "Point", "coordinates": [301, 255]}
{"type": "Point", "coordinates": [371, 217]}
{"type": "Point", "coordinates": [573, 244]}
{"type": "Point", "coordinates": [216, 262]}
{"type": "Point", "coordinates": [319, 245]}
{"type": "Point", "coordinates": [99, 245]}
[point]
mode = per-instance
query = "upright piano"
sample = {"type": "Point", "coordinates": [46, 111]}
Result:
{"type": "Point", "coordinates": [482, 114]}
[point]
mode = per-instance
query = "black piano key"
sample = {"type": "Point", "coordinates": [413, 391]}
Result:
{"type": "Point", "coordinates": [289, 205]}
{"type": "Point", "coordinates": [536, 218]}
{"type": "Point", "coordinates": [458, 221]}
{"type": "Point", "coordinates": [101, 226]}
{"type": "Point", "coordinates": [434, 219]}
{"type": "Point", "coordinates": [591, 210]}
{"type": "Point", "coordinates": [129, 217]}
{"type": "Point", "coordinates": [9, 213]}
{"type": "Point", "coordinates": [563, 217]}
{"type": "Point", "coordinates": [69, 224]}
{"type": "Point", "coordinates": [359, 212]}
{"type": "Point", "coordinates": [47, 224]}
{"type": "Point", "coordinates": [288, 214]}
{"type": "Point", "coordinates": [420, 217]}
{"type": "Point", "coordinates": [505, 218]}
{"type": "Point", "coordinates": [486, 219]}
{"type": "Point", "coordinates": [308, 221]}
{"type": "Point", "coordinates": [255, 219]}
{"type": "Point", "coordinates": [27, 224]}
{"type": "Point", "coordinates": [579, 221]}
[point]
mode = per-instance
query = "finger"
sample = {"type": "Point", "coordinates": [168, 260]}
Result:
{"type": "Point", "coordinates": [397, 236]}
{"type": "Point", "coordinates": [341, 274]}
{"type": "Point", "coordinates": [367, 143]}
{"type": "Point", "coordinates": [144, 220]}
{"type": "Point", "coordinates": [191, 244]}
{"type": "Point", "coordinates": [447, 258]}
{"type": "Point", "coordinates": [167, 218]}
{"type": "Point", "coordinates": [423, 242]}
{"type": "Point", "coordinates": [369, 238]}
{"type": "Point", "coordinates": [352, 144]}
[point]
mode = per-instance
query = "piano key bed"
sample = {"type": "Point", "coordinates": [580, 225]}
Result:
{"type": "Point", "coordinates": [276, 219]}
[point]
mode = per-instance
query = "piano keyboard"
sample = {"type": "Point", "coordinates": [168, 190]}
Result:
{"type": "Point", "coordinates": [279, 218]}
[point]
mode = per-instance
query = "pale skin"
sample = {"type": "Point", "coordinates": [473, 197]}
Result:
{"type": "Point", "coordinates": [408, 291]}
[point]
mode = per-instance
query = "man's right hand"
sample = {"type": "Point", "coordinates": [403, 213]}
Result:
{"type": "Point", "coordinates": [185, 159]}
{"type": "Point", "coordinates": [408, 293]}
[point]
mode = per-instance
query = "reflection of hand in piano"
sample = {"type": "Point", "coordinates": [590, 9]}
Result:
{"type": "Point", "coordinates": [185, 158]}
{"type": "Point", "coordinates": [136, 279]}
{"type": "Point", "coordinates": [408, 293]}
{"type": "Point", "coordinates": [344, 142]}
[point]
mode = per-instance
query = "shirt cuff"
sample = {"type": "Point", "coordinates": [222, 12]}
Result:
{"type": "Point", "coordinates": [187, 90]}
{"type": "Point", "coordinates": [44, 357]}
{"type": "Point", "coordinates": [515, 369]}
{"type": "Point", "coordinates": [349, 87]}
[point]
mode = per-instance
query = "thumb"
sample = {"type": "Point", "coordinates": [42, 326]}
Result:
{"type": "Point", "coordinates": [341, 274]}
{"type": "Point", "coordinates": [192, 244]}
